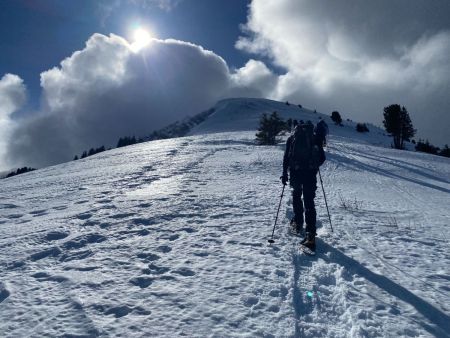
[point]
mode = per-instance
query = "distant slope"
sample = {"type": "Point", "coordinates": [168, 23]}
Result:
{"type": "Point", "coordinates": [243, 114]}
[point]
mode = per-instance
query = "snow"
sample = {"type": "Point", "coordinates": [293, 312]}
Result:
{"type": "Point", "coordinates": [169, 238]}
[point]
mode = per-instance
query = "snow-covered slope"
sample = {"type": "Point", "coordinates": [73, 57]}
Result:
{"type": "Point", "coordinates": [239, 114]}
{"type": "Point", "coordinates": [169, 238]}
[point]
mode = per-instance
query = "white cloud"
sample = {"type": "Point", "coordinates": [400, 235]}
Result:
{"type": "Point", "coordinates": [12, 98]}
{"type": "Point", "coordinates": [357, 56]}
{"type": "Point", "coordinates": [254, 80]}
{"type": "Point", "coordinates": [106, 91]}
{"type": "Point", "coordinates": [12, 95]}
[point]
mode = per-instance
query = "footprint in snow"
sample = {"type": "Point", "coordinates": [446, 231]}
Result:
{"type": "Point", "coordinates": [144, 205]}
{"type": "Point", "coordinates": [142, 221]}
{"type": "Point", "coordinates": [56, 235]}
{"type": "Point", "coordinates": [164, 248]}
{"type": "Point", "coordinates": [123, 215]}
{"type": "Point", "coordinates": [155, 269]}
{"type": "Point", "coordinates": [104, 201]}
{"type": "Point", "coordinates": [274, 308]}
{"type": "Point", "coordinates": [143, 232]}
{"type": "Point", "coordinates": [54, 251]}
{"type": "Point", "coordinates": [39, 212]}
{"type": "Point", "coordinates": [148, 256]}
{"type": "Point", "coordinates": [119, 311]}
{"type": "Point", "coordinates": [77, 255]}
{"type": "Point", "coordinates": [201, 253]}
{"type": "Point", "coordinates": [142, 282]}
{"type": "Point", "coordinates": [168, 236]}
{"type": "Point", "coordinates": [280, 273]}
{"type": "Point", "coordinates": [8, 206]}
{"type": "Point", "coordinates": [14, 216]}
{"type": "Point", "coordinates": [90, 223]}
{"type": "Point", "coordinates": [83, 240]}
{"type": "Point", "coordinates": [81, 202]}
{"type": "Point", "coordinates": [274, 293]}
{"type": "Point", "coordinates": [282, 292]}
{"type": "Point", "coordinates": [184, 272]}
{"type": "Point", "coordinates": [84, 216]}
{"type": "Point", "coordinates": [45, 277]}
{"type": "Point", "coordinates": [250, 301]}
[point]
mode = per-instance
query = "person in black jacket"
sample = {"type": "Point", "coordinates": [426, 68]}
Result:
{"type": "Point", "coordinates": [303, 156]}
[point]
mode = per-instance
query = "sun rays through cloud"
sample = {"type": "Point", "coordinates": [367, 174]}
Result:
{"type": "Point", "coordinates": [141, 39]}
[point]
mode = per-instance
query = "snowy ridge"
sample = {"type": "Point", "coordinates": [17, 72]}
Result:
{"type": "Point", "coordinates": [169, 238]}
{"type": "Point", "coordinates": [243, 114]}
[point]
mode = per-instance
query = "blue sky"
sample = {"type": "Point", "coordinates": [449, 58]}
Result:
{"type": "Point", "coordinates": [70, 78]}
{"type": "Point", "coordinates": [37, 34]}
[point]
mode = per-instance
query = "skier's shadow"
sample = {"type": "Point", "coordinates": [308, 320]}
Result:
{"type": "Point", "coordinates": [434, 315]}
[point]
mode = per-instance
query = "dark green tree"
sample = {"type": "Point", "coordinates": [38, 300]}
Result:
{"type": "Point", "coordinates": [426, 147]}
{"type": "Point", "coordinates": [398, 123]}
{"type": "Point", "coordinates": [362, 128]}
{"type": "Point", "coordinates": [336, 117]}
{"type": "Point", "coordinates": [270, 127]}
{"type": "Point", "coordinates": [20, 171]}
{"type": "Point", "coordinates": [445, 151]}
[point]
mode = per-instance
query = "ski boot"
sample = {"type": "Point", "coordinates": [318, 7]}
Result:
{"type": "Point", "coordinates": [309, 242]}
{"type": "Point", "coordinates": [295, 229]}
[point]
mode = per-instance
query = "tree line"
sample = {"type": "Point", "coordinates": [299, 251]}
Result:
{"type": "Point", "coordinates": [396, 121]}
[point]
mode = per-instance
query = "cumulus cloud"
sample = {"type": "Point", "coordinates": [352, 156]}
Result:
{"type": "Point", "coordinates": [12, 98]}
{"type": "Point", "coordinates": [358, 56]}
{"type": "Point", "coordinates": [254, 80]}
{"type": "Point", "coordinates": [106, 91]}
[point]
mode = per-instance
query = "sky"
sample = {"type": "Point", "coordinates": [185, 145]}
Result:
{"type": "Point", "coordinates": [70, 78]}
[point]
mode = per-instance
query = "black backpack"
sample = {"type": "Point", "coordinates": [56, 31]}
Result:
{"type": "Point", "coordinates": [304, 152]}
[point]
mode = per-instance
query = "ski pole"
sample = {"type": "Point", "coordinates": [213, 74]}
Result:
{"type": "Point", "coordinates": [276, 218]}
{"type": "Point", "coordinates": [325, 197]}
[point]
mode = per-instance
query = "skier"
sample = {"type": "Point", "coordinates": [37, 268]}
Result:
{"type": "Point", "coordinates": [322, 132]}
{"type": "Point", "coordinates": [302, 157]}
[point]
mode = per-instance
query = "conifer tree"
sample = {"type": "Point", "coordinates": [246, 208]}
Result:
{"type": "Point", "coordinates": [336, 117]}
{"type": "Point", "coordinates": [398, 123]}
{"type": "Point", "coordinates": [270, 127]}
{"type": "Point", "coordinates": [445, 151]}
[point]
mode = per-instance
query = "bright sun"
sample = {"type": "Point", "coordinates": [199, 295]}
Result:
{"type": "Point", "coordinates": [141, 39]}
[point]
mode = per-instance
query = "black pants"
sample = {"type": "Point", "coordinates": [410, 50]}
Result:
{"type": "Point", "coordinates": [304, 182]}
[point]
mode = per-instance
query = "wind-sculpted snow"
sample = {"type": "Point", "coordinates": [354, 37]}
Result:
{"type": "Point", "coordinates": [169, 238]}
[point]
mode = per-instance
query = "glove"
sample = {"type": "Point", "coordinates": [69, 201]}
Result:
{"type": "Point", "coordinates": [284, 178]}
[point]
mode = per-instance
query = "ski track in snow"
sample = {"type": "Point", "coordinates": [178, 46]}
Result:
{"type": "Point", "coordinates": [169, 238]}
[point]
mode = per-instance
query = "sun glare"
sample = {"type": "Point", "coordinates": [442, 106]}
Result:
{"type": "Point", "coordinates": [141, 39]}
